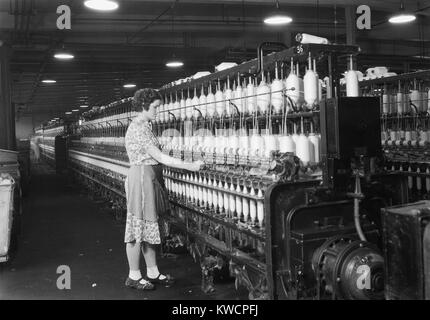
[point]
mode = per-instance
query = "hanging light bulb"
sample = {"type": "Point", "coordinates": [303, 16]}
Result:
{"type": "Point", "coordinates": [402, 16]}
{"type": "Point", "coordinates": [277, 17]}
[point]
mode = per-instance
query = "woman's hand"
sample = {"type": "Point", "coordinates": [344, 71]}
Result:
{"type": "Point", "coordinates": [195, 166]}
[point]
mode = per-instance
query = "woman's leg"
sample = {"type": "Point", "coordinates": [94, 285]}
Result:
{"type": "Point", "coordinates": [150, 255]}
{"type": "Point", "coordinates": [133, 257]}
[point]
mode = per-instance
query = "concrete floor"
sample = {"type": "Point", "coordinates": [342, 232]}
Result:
{"type": "Point", "coordinates": [62, 226]}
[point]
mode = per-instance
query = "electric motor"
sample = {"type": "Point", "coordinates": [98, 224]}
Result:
{"type": "Point", "coordinates": [349, 269]}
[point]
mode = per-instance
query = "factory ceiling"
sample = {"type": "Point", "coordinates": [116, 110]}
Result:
{"type": "Point", "coordinates": [133, 43]}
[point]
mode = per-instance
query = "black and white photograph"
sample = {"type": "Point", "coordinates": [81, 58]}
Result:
{"type": "Point", "coordinates": [214, 155]}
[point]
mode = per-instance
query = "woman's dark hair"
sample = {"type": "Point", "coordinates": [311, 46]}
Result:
{"type": "Point", "coordinates": [143, 98]}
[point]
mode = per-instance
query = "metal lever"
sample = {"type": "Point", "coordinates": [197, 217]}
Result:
{"type": "Point", "coordinates": [260, 66]}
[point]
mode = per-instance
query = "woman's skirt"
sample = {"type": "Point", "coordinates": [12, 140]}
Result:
{"type": "Point", "coordinates": [147, 200]}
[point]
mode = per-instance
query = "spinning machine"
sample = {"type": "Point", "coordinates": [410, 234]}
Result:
{"type": "Point", "coordinates": [289, 200]}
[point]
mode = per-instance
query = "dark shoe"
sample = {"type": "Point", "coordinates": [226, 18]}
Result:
{"type": "Point", "coordinates": [135, 284]}
{"type": "Point", "coordinates": [166, 282]}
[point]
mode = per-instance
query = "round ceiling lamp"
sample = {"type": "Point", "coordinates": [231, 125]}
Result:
{"type": "Point", "coordinates": [64, 56]}
{"type": "Point", "coordinates": [129, 85]}
{"type": "Point", "coordinates": [49, 81]}
{"type": "Point", "coordinates": [277, 17]}
{"type": "Point", "coordinates": [174, 64]}
{"type": "Point", "coordinates": [402, 16]}
{"type": "Point", "coordinates": [102, 5]}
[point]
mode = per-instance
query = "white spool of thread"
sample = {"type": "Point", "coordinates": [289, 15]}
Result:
{"type": "Point", "coordinates": [244, 144]}
{"type": "Point", "coordinates": [221, 205]}
{"type": "Point", "coordinates": [183, 190]}
{"type": "Point", "coordinates": [188, 107]}
{"type": "Point", "coordinates": [270, 144]}
{"type": "Point", "coordinates": [205, 193]}
{"type": "Point", "coordinates": [310, 86]}
{"type": "Point", "coordinates": [245, 205]}
{"type": "Point", "coordinates": [161, 113]}
{"type": "Point", "coordinates": [210, 102]}
{"type": "Point", "coordinates": [351, 77]}
{"type": "Point", "coordinates": [263, 96]}
{"type": "Point", "coordinates": [238, 94]}
{"type": "Point", "coordinates": [232, 198]}
{"type": "Point", "coordinates": [200, 190]}
{"type": "Point", "coordinates": [408, 136]}
{"type": "Point", "coordinates": [169, 109]}
{"type": "Point", "coordinates": [287, 144]}
{"type": "Point", "coordinates": [415, 98]}
{"type": "Point", "coordinates": [252, 207]}
{"type": "Point", "coordinates": [196, 189]}
{"type": "Point", "coordinates": [393, 103]}
{"type": "Point", "coordinates": [400, 97]}
{"type": "Point", "coordinates": [423, 137]}
{"type": "Point", "coordinates": [251, 99]}
{"type": "Point", "coordinates": [276, 92]}
{"type": "Point", "coordinates": [292, 85]}
{"type": "Point", "coordinates": [256, 144]}
{"type": "Point", "coordinates": [385, 103]}
{"type": "Point", "coordinates": [315, 144]}
{"type": "Point", "coordinates": [233, 143]}
{"type": "Point", "coordinates": [226, 199]}
{"type": "Point", "coordinates": [238, 201]}
{"type": "Point", "coordinates": [176, 108]}
{"type": "Point", "coordinates": [219, 101]}
{"type": "Point", "coordinates": [202, 103]}
{"type": "Point", "coordinates": [209, 194]}
{"type": "Point", "coordinates": [214, 196]}
{"type": "Point", "coordinates": [183, 115]}
{"type": "Point", "coordinates": [303, 148]}
{"type": "Point", "coordinates": [228, 94]}
{"type": "Point", "coordinates": [301, 87]}
{"type": "Point", "coordinates": [260, 208]}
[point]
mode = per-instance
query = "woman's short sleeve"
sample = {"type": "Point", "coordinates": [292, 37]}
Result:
{"type": "Point", "coordinates": [138, 138]}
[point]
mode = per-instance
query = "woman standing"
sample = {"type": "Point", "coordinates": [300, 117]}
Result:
{"type": "Point", "coordinates": [145, 191]}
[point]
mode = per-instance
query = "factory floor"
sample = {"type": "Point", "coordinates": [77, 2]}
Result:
{"type": "Point", "coordinates": [60, 226]}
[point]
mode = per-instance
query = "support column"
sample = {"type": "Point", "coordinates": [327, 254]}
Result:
{"type": "Point", "coordinates": [350, 25]}
{"type": "Point", "coordinates": [7, 112]}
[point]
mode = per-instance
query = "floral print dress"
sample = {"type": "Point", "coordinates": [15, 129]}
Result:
{"type": "Point", "coordinates": [142, 185]}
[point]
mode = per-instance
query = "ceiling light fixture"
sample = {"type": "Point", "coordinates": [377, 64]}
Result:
{"type": "Point", "coordinates": [68, 113]}
{"type": "Point", "coordinates": [49, 81]}
{"type": "Point", "coordinates": [402, 16]}
{"type": "Point", "coordinates": [129, 85]}
{"type": "Point", "coordinates": [102, 5]}
{"type": "Point", "coordinates": [64, 56]}
{"type": "Point", "coordinates": [174, 64]}
{"type": "Point", "coordinates": [277, 17]}
{"type": "Point", "coordinates": [84, 106]}
{"type": "Point", "coordinates": [75, 110]}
